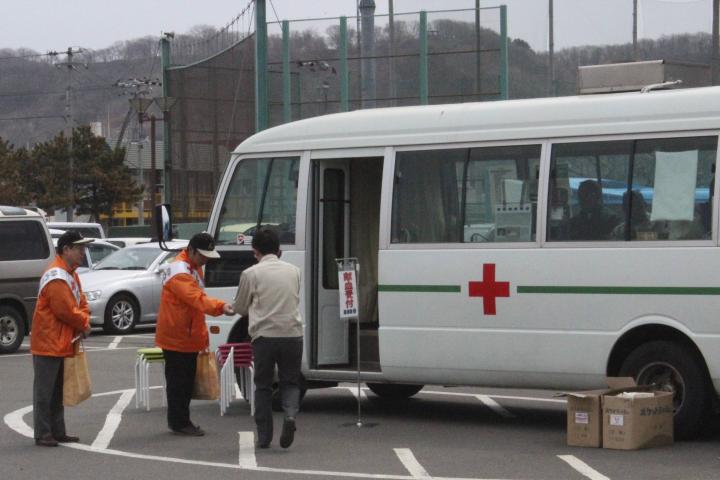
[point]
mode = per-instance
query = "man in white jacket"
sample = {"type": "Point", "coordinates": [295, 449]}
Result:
{"type": "Point", "coordinates": [269, 295]}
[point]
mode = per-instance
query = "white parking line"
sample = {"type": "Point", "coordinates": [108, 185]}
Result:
{"type": "Point", "coordinates": [87, 349]}
{"type": "Point", "coordinates": [113, 345]}
{"type": "Point", "coordinates": [15, 420]}
{"type": "Point", "coordinates": [112, 422]}
{"type": "Point", "coordinates": [582, 467]}
{"type": "Point", "coordinates": [507, 397]}
{"type": "Point", "coordinates": [410, 463]}
{"type": "Point", "coordinates": [354, 391]}
{"type": "Point", "coordinates": [494, 406]}
{"type": "Point", "coordinates": [246, 443]}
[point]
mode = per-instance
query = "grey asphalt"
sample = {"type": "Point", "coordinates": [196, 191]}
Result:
{"type": "Point", "coordinates": [448, 432]}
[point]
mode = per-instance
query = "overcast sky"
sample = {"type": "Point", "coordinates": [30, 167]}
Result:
{"type": "Point", "coordinates": [44, 25]}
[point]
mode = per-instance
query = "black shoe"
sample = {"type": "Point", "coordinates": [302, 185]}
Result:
{"type": "Point", "coordinates": [259, 444]}
{"type": "Point", "coordinates": [67, 439]}
{"type": "Point", "coordinates": [190, 431]}
{"type": "Point", "coordinates": [46, 441]}
{"type": "Point", "coordinates": [288, 432]}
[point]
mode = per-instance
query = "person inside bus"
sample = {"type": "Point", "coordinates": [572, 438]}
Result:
{"type": "Point", "coordinates": [635, 209]}
{"type": "Point", "coordinates": [593, 221]}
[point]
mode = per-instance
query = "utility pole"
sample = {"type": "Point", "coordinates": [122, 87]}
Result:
{"type": "Point", "coordinates": [70, 66]}
{"type": "Point", "coordinates": [139, 90]}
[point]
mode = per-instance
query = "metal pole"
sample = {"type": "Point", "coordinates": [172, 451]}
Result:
{"type": "Point", "coordinates": [287, 97]}
{"type": "Point", "coordinates": [635, 23]}
{"type": "Point", "coordinates": [367, 61]}
{"type": "Point", "coordinates": [167, 159]}
{"type": "Point", "coordinates": [551, 49]}
{"type": "Point", "coordinates": [715, 43]}
{"type": "Point", "coordinates": [69, 132]}
{"type": "Point", "coordinates": [344, 82]}
{"type": "Point", "coordinates": [478, 83]}
{"type": "Point", "coordinates": [153, 165]}
{"type": "Point", "coordinates": [423, 59]}
{"type": "Point", "coordinates": [359, 417]}
{"type": "Point", "coordinates": [141, 206]}
{"type": "Point", "coordinates": [503, 53]}
{"type": "Point", "coordinates": [391, 62]}
{"type": "Point", "coordinates": [261, 94]}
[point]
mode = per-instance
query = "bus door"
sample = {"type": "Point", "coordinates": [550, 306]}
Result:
{"type": "Point", "coordinates": [332, 225]}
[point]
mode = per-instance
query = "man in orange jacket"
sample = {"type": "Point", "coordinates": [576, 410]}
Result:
{"type": "Point", "coordinates": [181, 330]}
{"type": "Point", "coordinates": [61, 314]}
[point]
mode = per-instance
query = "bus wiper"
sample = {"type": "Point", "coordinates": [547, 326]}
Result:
{"type": "Point", "coordinates": [107, 268]}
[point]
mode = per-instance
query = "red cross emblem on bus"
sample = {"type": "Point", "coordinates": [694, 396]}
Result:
{"type": "Point", "coordinates": [489, 289]}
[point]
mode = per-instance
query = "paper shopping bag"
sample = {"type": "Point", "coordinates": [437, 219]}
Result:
{"type": "Point", "coordinates": [76, 377]}
{"type": "Point", "coordinates": [207, 386]}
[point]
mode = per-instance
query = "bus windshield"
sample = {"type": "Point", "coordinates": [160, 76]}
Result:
{"type": "Point", "coordinates": [262, 192]}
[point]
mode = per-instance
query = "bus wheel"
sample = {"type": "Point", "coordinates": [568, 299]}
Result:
{"type": "Point", "coordinates": [392, 391]}
{"type": "Point", "coordinates": [673, 369]}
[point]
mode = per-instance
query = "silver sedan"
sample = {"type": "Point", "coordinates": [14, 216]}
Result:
{"type": "Point", "coordinates": [123, 290]}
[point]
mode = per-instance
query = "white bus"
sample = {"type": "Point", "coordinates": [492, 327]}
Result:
{"type": "Point", "coordinates": [544, 243]}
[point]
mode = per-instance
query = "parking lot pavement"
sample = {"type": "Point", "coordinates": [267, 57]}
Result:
{"type": "Point", "coordinates": [440, 433]}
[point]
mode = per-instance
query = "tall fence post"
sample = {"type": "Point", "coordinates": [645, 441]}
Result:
{"type": "Point", "coordinates": [287, 97]}
{"type": "Point", "coordinates": [167, 159]}
{"type": "Point", "coordinates": [423, 59]}
{"type": "Point", "coordinates": [344, 83]}
{"type": "Point", "coordinates": [261, 94]}
{"type": "Point", "coordinates": [503, 53]}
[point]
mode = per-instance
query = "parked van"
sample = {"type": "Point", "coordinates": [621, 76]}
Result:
{"type": "Point", "coordinates": [86, 229]}
{"type": "Point", "coordinates": [26, 250]}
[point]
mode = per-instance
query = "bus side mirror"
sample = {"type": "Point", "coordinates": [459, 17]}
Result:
{"type": "Point", "coordinates": [163, 223]}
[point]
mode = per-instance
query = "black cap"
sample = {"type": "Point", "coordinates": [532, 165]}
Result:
{"type": "Point", "coordinates": [72, 238]}
{"type": "Point", "coordinates": [205, 244]}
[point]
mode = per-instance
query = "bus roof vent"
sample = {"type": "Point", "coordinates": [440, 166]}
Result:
{"type": "Point", "coordinates": [634, 76]}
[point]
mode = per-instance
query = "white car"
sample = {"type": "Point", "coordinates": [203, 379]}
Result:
{"type": "Point", "coordinates": [123, 242]}
{"type": "Point", "coordinates": [94, 252]}
{"type": "Point", "coordinates": [124, 289]}
{"type": "Point", "coordinates": [86, 229]}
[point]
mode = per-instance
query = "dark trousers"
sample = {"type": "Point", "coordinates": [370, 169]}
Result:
{"type": "Point", "coordinates": [48, 411]}
{"type": "Point", "coordinates": [286, 353]}
{"type": "Point", "coordinates": [180, 370]}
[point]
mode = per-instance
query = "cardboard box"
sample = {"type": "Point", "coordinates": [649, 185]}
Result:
{"type": "Point", "coordinates": [585, 413]}
{"type": "Point", "coordinates": [631, 422]}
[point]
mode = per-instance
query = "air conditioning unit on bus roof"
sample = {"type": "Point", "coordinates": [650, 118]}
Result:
{"type": "Point", "coordinates": [633, 76]}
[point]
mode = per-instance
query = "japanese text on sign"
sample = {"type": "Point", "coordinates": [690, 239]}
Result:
{"type": "Point", "coordinates": [348, 294]}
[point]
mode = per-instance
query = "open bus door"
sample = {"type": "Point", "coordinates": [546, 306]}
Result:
{"type": "Point", "coordinates": [331, 210]}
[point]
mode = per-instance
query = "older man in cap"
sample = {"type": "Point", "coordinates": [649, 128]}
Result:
{"type": "Point", "coordinates": [181, 329]}
{"type": "Point", "coordinates": [61, 316]}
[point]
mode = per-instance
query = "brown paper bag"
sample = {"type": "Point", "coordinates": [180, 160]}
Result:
{"type": "Point", "coordinates": [207, 385]}
{"type": "Point", "coordinates": [76, 377]}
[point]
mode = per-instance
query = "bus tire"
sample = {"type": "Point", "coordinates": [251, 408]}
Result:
{"type": "Point", "coordinates": [392, 391]}
{"type": "Point", "coordinates": [676, 369]}
{"type": "Point", "coordinates": [12, 329]}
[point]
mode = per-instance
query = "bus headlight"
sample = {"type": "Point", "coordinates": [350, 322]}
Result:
{"type": "Point", "coordinates": [93, 295]}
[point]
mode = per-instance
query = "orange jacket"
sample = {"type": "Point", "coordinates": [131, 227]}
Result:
{"type": "Point", "coordinates": [58, 317]}
{"type": "Point", "coordinates": [183, 304]}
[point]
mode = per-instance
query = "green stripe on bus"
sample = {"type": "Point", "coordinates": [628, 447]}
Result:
{"type": "Point", "coordinates": [420, 288]}
{"type": "Point", "coordinates": [620, 290]}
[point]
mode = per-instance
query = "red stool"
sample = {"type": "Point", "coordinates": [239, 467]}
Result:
{"type": "Point", "coordinates": [229, 357]}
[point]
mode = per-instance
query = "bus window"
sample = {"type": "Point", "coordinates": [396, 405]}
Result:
{"type": "Point", "coordinates": [472, 195]}
{"type": "Point", "coordinates": [262, 192]}
{"type": "Point", "coordinates": [668, 197]}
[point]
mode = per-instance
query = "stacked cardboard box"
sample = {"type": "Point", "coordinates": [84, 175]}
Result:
{"type": "Point", "coordinates": [622, 416]}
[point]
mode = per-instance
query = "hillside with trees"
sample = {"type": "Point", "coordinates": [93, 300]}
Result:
{"type": "Point", "coordinates": [32, 88]}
